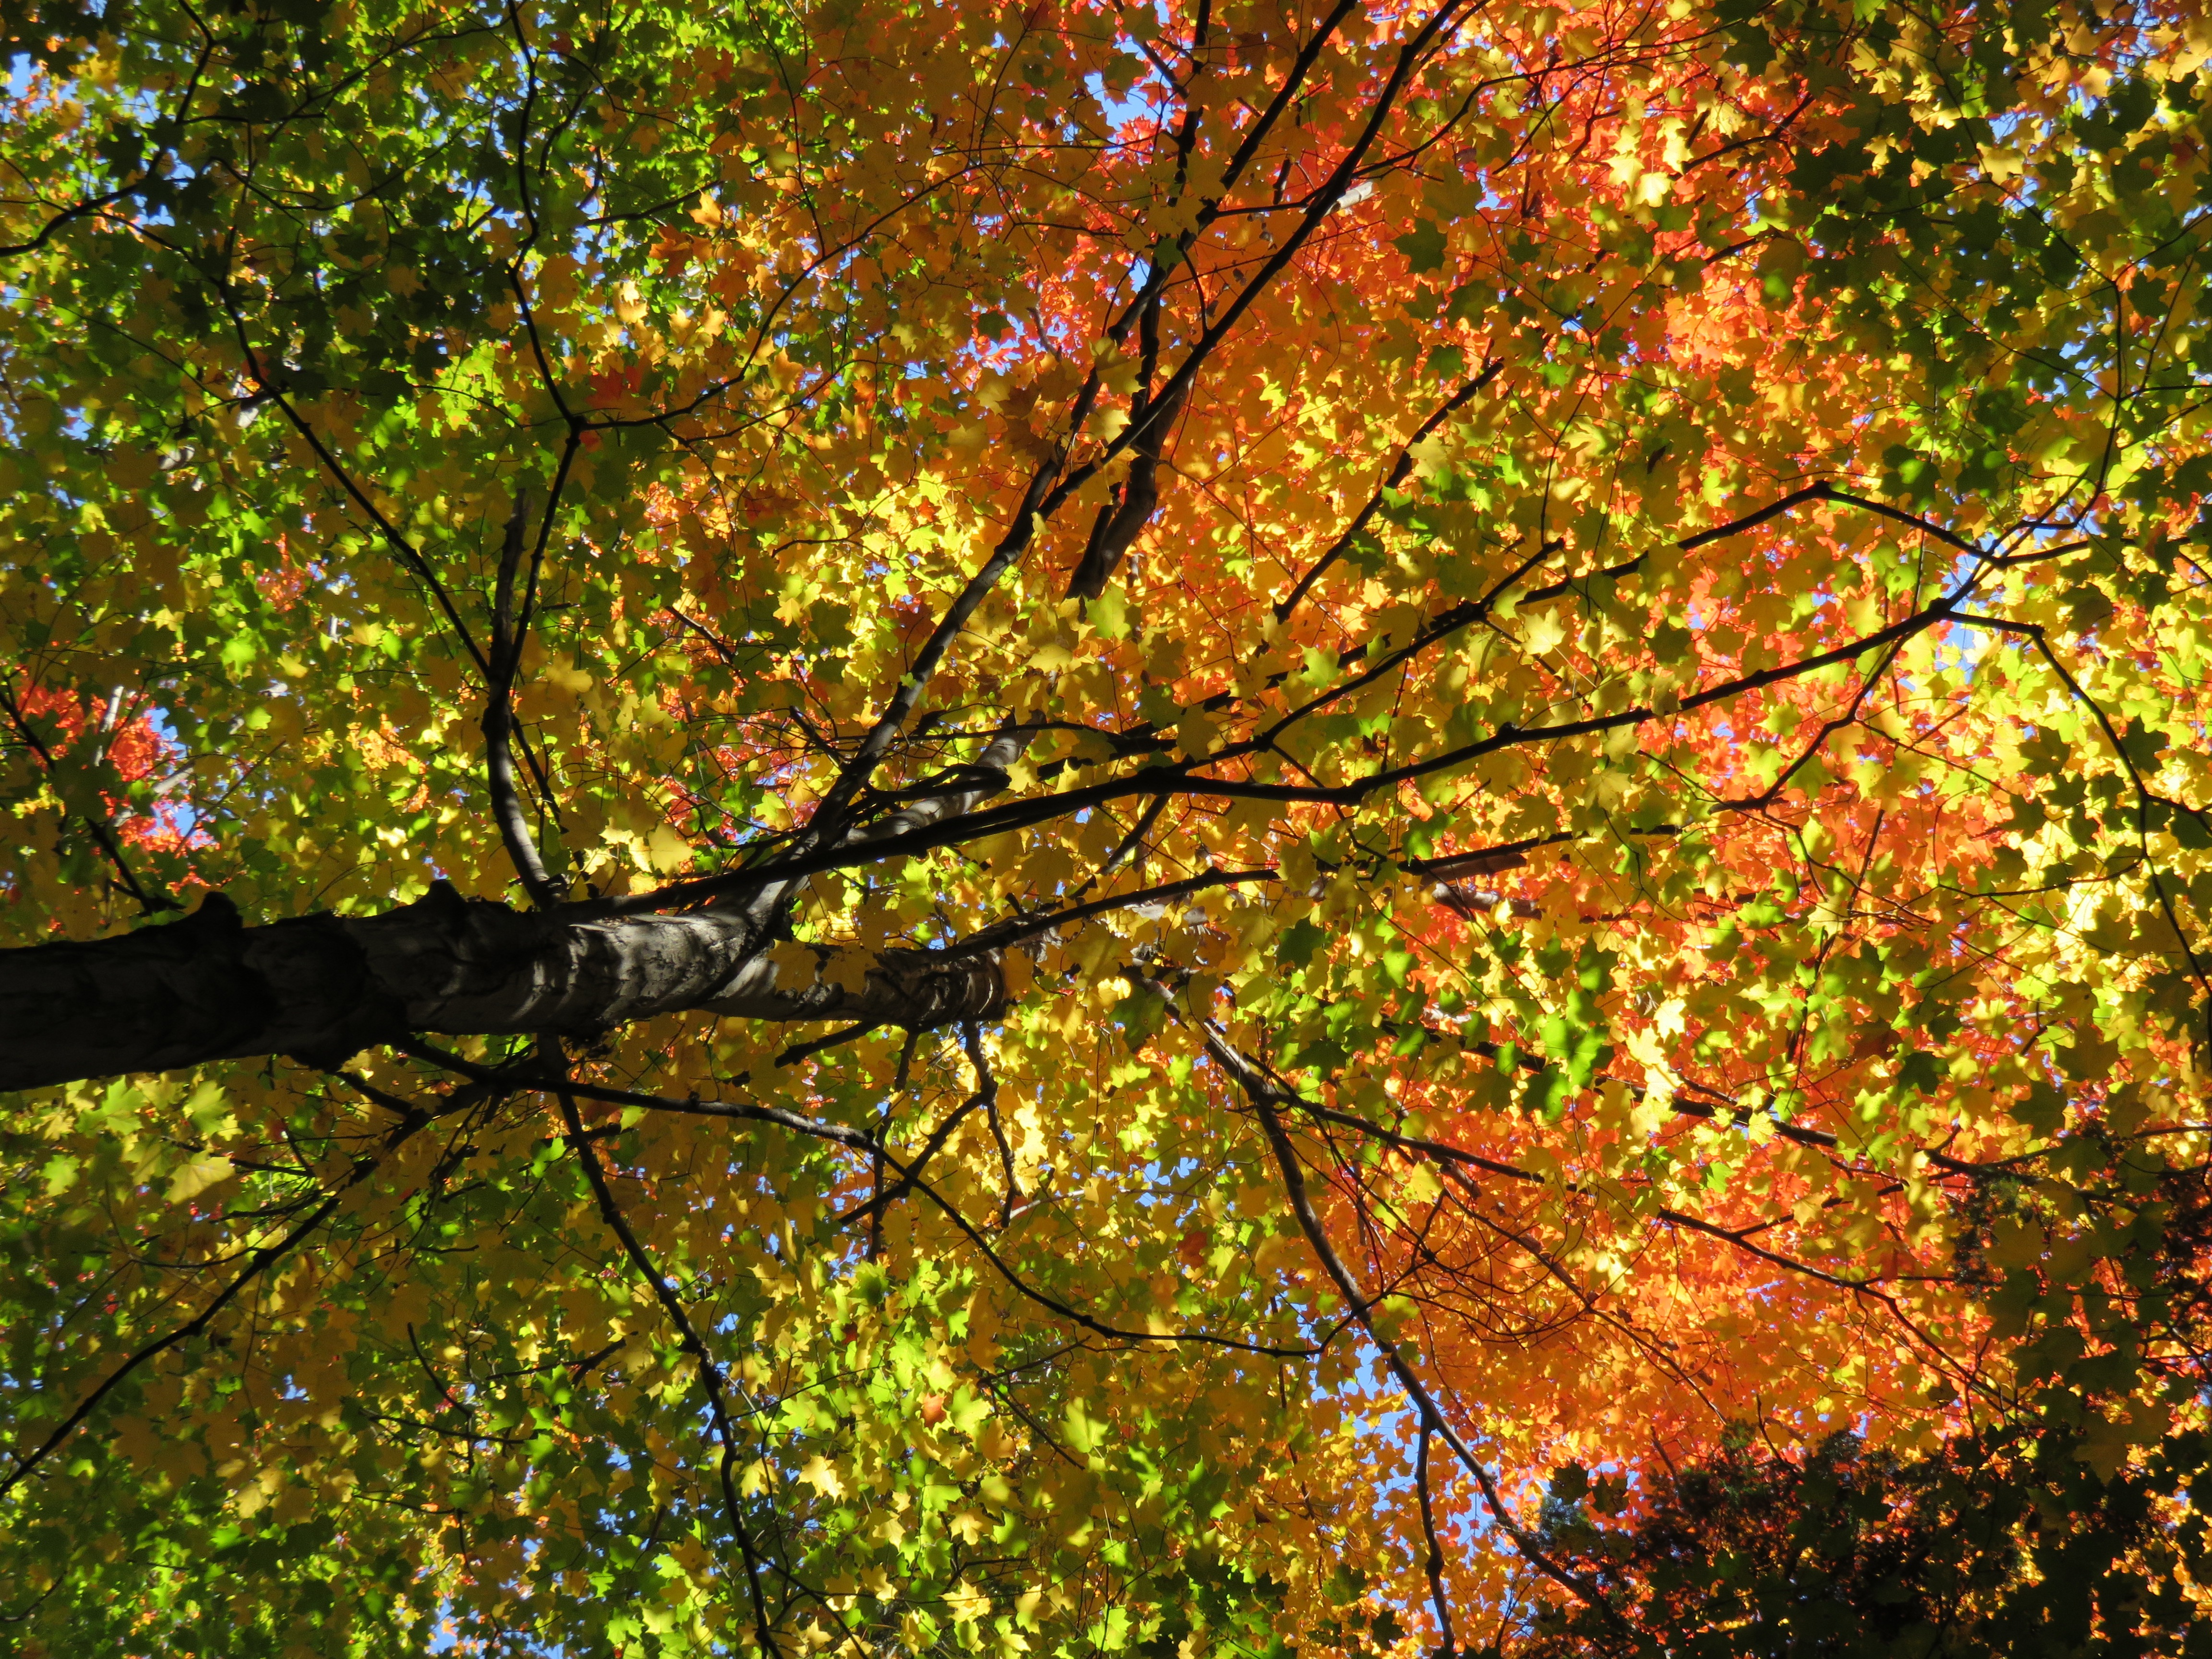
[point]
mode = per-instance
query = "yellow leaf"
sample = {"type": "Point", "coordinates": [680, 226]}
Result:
{"type": "Point", "coordinates": [667, 851]}
{"type": "Point", "coordinates": [1420, 1185]}
{"type": "Point", "coordinates": [848, 970]}
{"type": "Point", "coordinates": [967, 1604]}
{"type": "Point", "coordinates": [196, 1176]}
{"type": "Point", "coordinates": [795, 965]}
{"type": "Point", "coordinates": [1544, 633]}
{"type": "Point", "coordinates": [567, 677]}
{"type": "Point", "coordinates": [1085, 1431]}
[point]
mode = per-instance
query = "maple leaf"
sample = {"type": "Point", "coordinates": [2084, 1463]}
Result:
{"type": "Point", "coordinates": [1346, 786]}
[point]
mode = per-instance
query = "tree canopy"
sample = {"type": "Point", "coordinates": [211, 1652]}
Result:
{"type": "Point", "coordinates": [1186, 828]}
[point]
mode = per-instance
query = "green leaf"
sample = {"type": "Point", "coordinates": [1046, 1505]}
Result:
{"type": "Point", "coordinates": [1922, 1071]}
{"type": "Point", "coordinates": [1423, 247]}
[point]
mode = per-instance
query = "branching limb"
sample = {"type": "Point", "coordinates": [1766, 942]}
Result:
{"type": "Point", "coordinates": [1055, 482]}
{"type": "Point", "coordinates": [1449, 1644]}
{"type": "Point", "coordinates": [1396, 476]}
{"type": "Point", "coordinates": [1182, 781]}
{"type": "Point", "coordinates": [1012, 932]}
{"type": "Point", "coordinates": [413, 1116]}
{"type": "Point", "coordinates": [149, 903]}
{"type": "Point", "coordinates": [498, 724]}
{"type": "Point", "coordinates": [1263, 1094]}
{"type": "Point", "coordinates": [257, 1265]}
{"type": "Point", "coordinates": [1455, 1163]}
{"type": "Point", "coordinates": [711, 1381]}
{"type": "Point", "coordinates": [835, 1132]}
{"type": "Point", "coordinates": [1077, 1316]}
{"type": "Point", "coordinates": [985, 1095]}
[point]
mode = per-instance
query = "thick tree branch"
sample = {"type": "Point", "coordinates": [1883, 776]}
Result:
{"type": "Point", "coordinates": [322, 987]}
{"type": "Point", "coordinates": [498, 725]}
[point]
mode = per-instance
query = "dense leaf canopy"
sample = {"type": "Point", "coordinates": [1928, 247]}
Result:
{"type": "Point", "coordinates": [1194, 828]}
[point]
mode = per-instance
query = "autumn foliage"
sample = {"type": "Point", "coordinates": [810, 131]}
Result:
{"type": "Point", "coordinates": [1451, 760]}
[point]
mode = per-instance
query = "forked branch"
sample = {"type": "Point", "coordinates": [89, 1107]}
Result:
{"type": "Point", "coordinates": [1262, 1093]}
{"type": "Point", "coordinates": [711, 1381]}
{"type": "Point", "coordinates": [498, 724]}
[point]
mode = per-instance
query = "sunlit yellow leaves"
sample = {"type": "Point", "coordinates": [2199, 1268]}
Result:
{"type": "Point", "coordinates": [1716, 1096]}
{"type": "Point", "coordinates": [192, 1179]}
{"type": "Point", "coordinates": [794, 963]}
{"type": "Point", "coordinates": [822, 1475]}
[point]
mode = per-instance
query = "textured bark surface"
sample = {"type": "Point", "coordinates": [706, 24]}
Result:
{"type": "Point", "coordinates": [322, 987]}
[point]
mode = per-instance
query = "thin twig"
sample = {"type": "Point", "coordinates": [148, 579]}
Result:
{"type": "Point", "coordinates": [1449, 1645]}
{"type": "Point", "coordinates": [1404, 465]}
{"type": "Point", "coordinates": [1262, 1093]}
{"type": "Point", "coordinates": [148, 903]}
{"type": "Point", "coordinates": [710, 1374]}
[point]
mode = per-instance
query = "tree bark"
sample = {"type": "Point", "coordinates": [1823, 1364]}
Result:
{"type": "Point", "coordinates": [322, 987]}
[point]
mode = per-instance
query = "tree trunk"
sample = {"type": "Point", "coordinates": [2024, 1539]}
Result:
{"type": "Point", "coordinates": [322, 987]}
